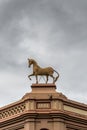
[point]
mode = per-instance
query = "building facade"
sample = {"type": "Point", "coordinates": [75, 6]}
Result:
{"type": "Point", "coordinates": [44, 109]}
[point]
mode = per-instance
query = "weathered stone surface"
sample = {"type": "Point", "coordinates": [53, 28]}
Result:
{"type": "Point", "coordinates": [44, 109]}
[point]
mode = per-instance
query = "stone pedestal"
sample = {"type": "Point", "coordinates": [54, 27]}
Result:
{"type": "Point", "coordinates": [45, 102]}
{"type": "Point", "coordinates": [43, 88]}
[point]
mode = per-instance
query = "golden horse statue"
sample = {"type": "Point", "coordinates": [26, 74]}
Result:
{"type": "Point", "coordinates": [38, 71]}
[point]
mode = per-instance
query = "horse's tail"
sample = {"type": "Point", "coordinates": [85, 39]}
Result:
{"type": "Point", "coordinates": [57, 76]}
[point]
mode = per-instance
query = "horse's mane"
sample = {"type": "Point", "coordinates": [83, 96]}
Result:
{"type": "Point", "coordinates": [35, 62]}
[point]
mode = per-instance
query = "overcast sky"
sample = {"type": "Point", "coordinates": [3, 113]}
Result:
{"type": "Point", "coordinates": [54, 33]}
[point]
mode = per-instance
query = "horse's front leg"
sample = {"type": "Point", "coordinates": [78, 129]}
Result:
{"type": "Point", "coordinates": [30, 76]}
{"type": "Point", "coordinates": [36, 79]}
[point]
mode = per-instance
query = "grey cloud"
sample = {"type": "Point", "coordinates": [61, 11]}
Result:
{"type": "Point", "coordinates": [52, 32]}
{"type": "Point", "coordinates": [62, 21]}
{"type": "Point", "coordinates": [64, 16]}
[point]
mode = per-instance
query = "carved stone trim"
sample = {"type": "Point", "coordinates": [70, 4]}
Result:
{"type": "Point", "coordinates": [43, 105]}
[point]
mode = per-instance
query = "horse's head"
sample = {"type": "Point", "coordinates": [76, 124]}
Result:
{"type": "Point", "coordinates": [30, 62]}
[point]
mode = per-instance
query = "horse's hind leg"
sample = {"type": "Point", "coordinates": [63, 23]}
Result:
{"type": "Point", "coordinates": [53, 78]}
{"type": "Point", "coordinates": [36, 79]}
{"type": "Point", "coordinates": [46, 79]}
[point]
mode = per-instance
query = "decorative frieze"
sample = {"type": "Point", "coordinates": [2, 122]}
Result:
{"type": "Point", "coordinates": [12, 111]}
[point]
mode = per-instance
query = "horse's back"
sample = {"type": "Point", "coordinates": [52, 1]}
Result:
{"type": "Point", "coordinates": [45, 71]}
